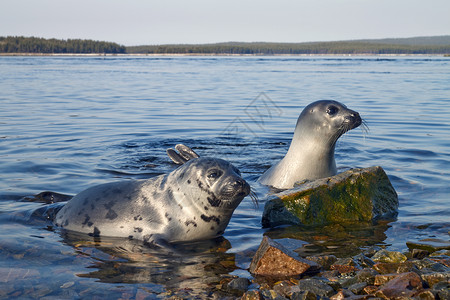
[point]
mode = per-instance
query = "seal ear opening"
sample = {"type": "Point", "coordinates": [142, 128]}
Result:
{"type": "Point", "coordinates": [185, 154]}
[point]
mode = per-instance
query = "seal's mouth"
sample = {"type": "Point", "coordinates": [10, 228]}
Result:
{"type": "Point", "coordinates": [351, 121]}
{"type": "Point", "coordinates": [235, 191]}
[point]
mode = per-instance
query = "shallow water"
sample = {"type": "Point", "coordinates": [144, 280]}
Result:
{"type": "Point", "coordinates": [68, 123]}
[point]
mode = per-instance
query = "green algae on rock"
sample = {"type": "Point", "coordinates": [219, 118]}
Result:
{"type": "Point", "coordinates": [357, 195]}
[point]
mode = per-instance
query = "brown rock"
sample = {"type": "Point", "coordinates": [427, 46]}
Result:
{"type": "Point", "coordinates": [385, 256]}
{"type": "Point", "coordinates": [432, 278]}
{"type": "Point", "coordinates": [284, 288]}
{"type": "Point", "coordinates": [425, 295]}
{"type": "Point", "coordinates": [345, 265]}
{"type": "Point", "coordinates": [344, 269]}
{"type": "Point", "coordinates": [367, 276]}
{"type": "Point", "coordinates": [325, 260]}
{"type": "Point", "coordinates": [251, 295]}
{"type": "Point", "coordinates": [272, 259]}
{"type": "Point", "coordinates": [370, 289]}
{"type": "Point", "coordinates": [419, 253]}
{"type": "Point", "coordinates": [403, 285]}
{"type": "Point", "coordinates": [444, 261]}
{"type": "Point", "coordinates": [388, 268]}
{"type": "Point", "coordinates": [384, 278]}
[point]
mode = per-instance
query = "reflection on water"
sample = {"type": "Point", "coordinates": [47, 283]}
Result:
{"type": "Point", "coordinates": [339, 240]}
{"type": "Point", "coordinates": [194, 265]}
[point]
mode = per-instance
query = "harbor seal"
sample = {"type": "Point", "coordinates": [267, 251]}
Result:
{"type": "Point", "coordinates": [311, 153]}
{"type": "Point", "coordinates": [193, 202]}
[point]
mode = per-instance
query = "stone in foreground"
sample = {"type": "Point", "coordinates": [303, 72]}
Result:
{"type": "Point", "coordinates": [357, 195]}
{"type": "Point", "coordinates": [272, 259]}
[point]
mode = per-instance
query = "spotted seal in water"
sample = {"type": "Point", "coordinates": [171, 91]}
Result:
{"type": "Point", "coordinates": [311, 153]}
{"type": "Point", "coordinates": [193, 202]}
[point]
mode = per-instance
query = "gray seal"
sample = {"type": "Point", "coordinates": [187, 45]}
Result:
{"type": "Point", "coordinates": [311, 153]}
{"type": "Point", "coordinates": [193, 202]}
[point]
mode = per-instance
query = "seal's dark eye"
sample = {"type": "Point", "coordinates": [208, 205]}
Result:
{"type": "Point", "coordinates": [332, 110]}
{"type": "Point", "coordinates": [214, 174]}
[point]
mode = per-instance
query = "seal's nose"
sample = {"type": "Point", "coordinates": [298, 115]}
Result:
{"type": "Point", "coordinates": [243, 185]}
{"type": "Point", "coordinates": [354, 118]}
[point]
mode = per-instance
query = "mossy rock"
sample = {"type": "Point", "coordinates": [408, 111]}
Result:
{"type": "Point", "coordinates": [357, 195]}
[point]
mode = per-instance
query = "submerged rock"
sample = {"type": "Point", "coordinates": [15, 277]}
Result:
{"type": "Point", "coordinates": [385, 256]}
{"type": "Point", "coordinates": [352, 196]}
{"type": "Point", "coordinates": [272, 259]}
{"type": "Point", "coordinates": [430, 245]}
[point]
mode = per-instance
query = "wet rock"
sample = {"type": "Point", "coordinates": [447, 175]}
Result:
{"type": "Point", "coordinates": [367, 276]}
{"type": "Point", "coordinates": [419, 253]}
{"type": "Point", "coordinates": [238, 285]}
{"type": "Point", "coordinates": [370, 290]}
{"type": "Point", "coordinates": [271, 295]}
{"type": "Point", "coordinates": [384, 278]}
{"type": "Point", "coordinates": [251, 295]}
{"type": "Point", "coordinates": [284, 288]}
{"type": "Point", "coordinates": [429, 265]}
{"type": "Point", "coordinates": [430, 245]}
{"type": "Point", "coordinates": [346, 265]}
{"type": "Point", "coordinates": [325, 261]}
{"type": "Point", "coordinates": [343, 294]}
{"type": "Point", "coordinates": [357, 288]}
{"type": "Point", "coordinates": [305, 295]}
{"type": "Point", "coordinates": [318, 287]}
{"type": "Point", "coordinates": [441, 253]}
{"type": "Point", "coordinates": [352, 196]}
{"type": "Point", "coordinates": [385, 256]}
{"type": "Point", "coordinates": [370, 251]}
{"type": "Point", "coordinates": [403, 285]}
{"type": "Point", "coordinates": [387, 268]}
{"type": "Point", "coordinates": [363, 261]}
{"type": "Point", "coordinates": [425, 295]}
{"type": "Point", "coordinates": [272, 259]}
{"type": "Point", "coordinates": [442, 290]}
{"type": "Point", "coordinates": [443, 261]}
{"type": "Point", "coordinates": [434, 278]}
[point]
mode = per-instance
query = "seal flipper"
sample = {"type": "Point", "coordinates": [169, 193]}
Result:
{"type": "Point", "coordinates": [175, 157]}
{"type": "Point", "coordinates": [185, 154]}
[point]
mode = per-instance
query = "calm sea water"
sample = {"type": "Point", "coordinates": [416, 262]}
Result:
{"type": "Point", "coordinates": [67, 123]}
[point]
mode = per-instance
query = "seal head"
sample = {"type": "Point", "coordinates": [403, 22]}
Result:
{"type": "Point", "coordinates": [193, 202]}
{"type": "Point", "coordinates": [311, 153]}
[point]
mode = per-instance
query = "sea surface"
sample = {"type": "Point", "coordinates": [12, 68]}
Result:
{"type": "Point", "coordinates": [68, 123]}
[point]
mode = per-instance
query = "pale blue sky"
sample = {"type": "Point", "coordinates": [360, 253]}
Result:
{"type": "Point", "coordinates": [139, 22]}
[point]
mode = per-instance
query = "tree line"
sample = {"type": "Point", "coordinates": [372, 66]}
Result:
{"type": "Point", "coordinates": [347, 47]}
{"type": "Point", "coordinates": [424, 45]}
{"type": "Point", "coordinates": [15, 44]}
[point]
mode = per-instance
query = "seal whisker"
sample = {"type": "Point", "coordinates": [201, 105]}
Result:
{"type": "Point", "coordinates": [365, 127]}
{"type": "Point", "coordinates": [254, 198]}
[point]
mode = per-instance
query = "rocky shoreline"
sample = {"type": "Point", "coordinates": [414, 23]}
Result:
{"type": "Point", "coordinates": [375, 273]}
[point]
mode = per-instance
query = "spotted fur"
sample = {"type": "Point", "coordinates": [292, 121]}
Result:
{"type": "Point", "coordinates": [193, 202]}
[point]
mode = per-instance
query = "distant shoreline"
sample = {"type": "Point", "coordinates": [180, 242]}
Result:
{"type": "Point", "coordinates": [32, 46]}
{"type": "Point", "coordinates": [212, 54]}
